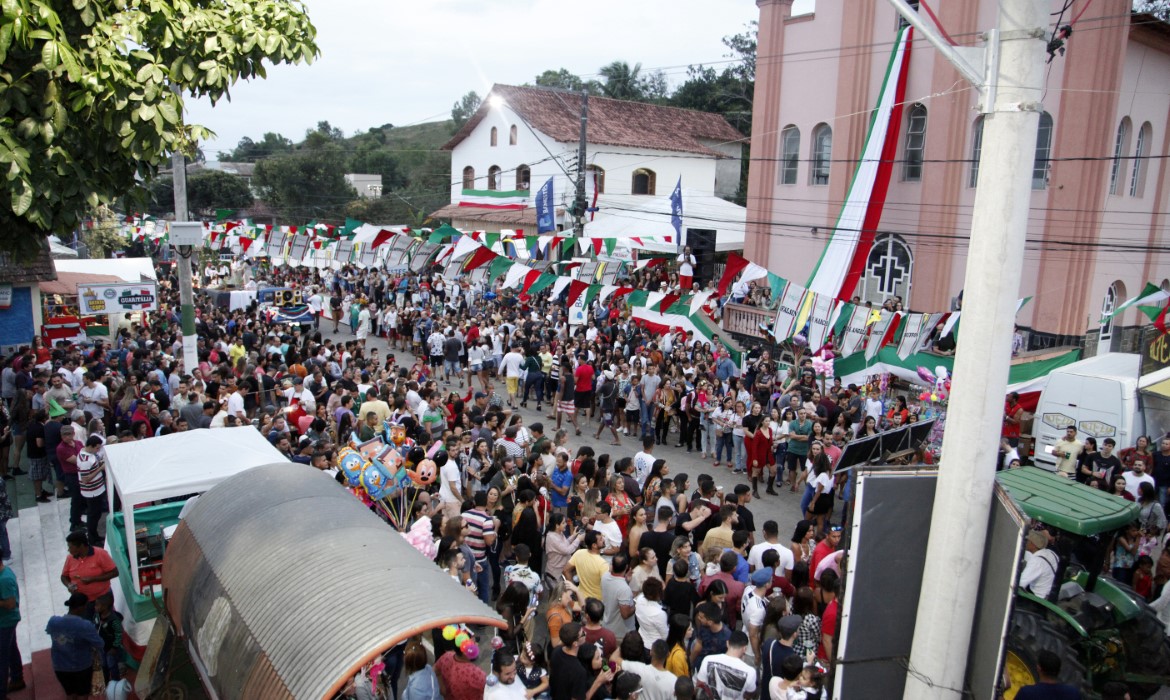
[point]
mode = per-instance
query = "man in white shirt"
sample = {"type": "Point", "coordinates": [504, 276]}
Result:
{"type": "Point", "coordinates": [94, 396]}
{"type": "Point", "coordinates": [298, 392]}
{"type": "Point", "coordinates": [611, 533]}
{"type": "Point", "coordinates": [686, 270]}
{"type": "Point", "coordinates": [316, 303]}
{"type": "Point", "coordinates": [450, 488]}
{"type": "Point", "coordinates": [1134, 479]}
{"type": "Point", "coordinates": [512, 369]}
{"type": "Point", "coordinates": [235, 404]}
{"type": "Point", "coordinates": [657, 682]}
{"type": "Point", "coordinates": [728, 677]}
{"type": "Point", "coordinates": [644, 460]}
{"type": "Point", "coordinates": [771, 541]}
{"type": "Point", "coordinates": [1040, 565]}
{"type": "Point", "coordinates": [506, 686]}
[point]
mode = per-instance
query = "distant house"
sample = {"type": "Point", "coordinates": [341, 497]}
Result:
{"type": "Point", "coordinates": [521, 136]}
{"type": "Point", "coordinates": [20, 297]}
{"type": "Point", "coordinates": [365, 184]}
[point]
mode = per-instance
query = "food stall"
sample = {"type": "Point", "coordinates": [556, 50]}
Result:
{"type": "Point", "coordinates": [149, 483]}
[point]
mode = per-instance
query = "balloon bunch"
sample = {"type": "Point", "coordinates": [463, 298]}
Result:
{"type": "Point", "coordinates": [822, 363]}
{"type": "Point", "coordinates": [938, 383]}
{"type": "Point", "coordinates": [463, 640]}
{"type": "Point", "coordinates": [381, 472]}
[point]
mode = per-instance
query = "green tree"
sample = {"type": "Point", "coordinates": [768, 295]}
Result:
{"type": "Point", "coordinates": [322, 136]}
{"type": "Point", "coordinates": [207, 190]}
{"type": "Point", "coordinates": [565, 80]}
{"type": "Point", "coordinates": [104, 236]}
{"type": "Point", "coordinates": [462, 110]}
{"type": "Point", "coordinates": [621, 81]}
{"type": "Point", "coordinates": [308, 184]}
{"type": "Point", "coordinates": [249, 151]}
{"type": "Point", "coordinates": [86, 102]}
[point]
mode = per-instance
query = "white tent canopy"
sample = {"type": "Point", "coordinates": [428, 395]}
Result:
{"type": "Point", "coordinates": [129, 269]}
{"type": "Point", "coordinates": [179, 464]}
{"type": "Point", "coordinates": [630, 216]}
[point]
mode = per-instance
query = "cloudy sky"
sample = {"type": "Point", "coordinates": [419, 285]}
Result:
{"type": "Point", "coordinates": [389, 61]}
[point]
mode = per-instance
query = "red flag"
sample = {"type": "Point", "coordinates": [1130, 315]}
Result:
{"type": "Point", "coordinates": [576, 287]}
{"type": "Point", "coordinates": [621, 292]}
{"type": "Point", "coordinates": [230, 225]}
{"type": "Point", "coordinates": [597, 243]}
{"type": "Point", "coordinates": [735, 264]}
{"type": "Point", "coordinates": [637, 240]}
{"type": "Point", "coordinates": [529, 280]}
{"type": "Point", "coordinates": [245, 244]}
{"type": "Point", "coordinates": [317, 244]}
{"type": "Point", "coordinates": [481, 256]}
{"type": "Point", "coordinates": [1160, 321]}
{"type": "Point", "coordinates": [668, 301]}
{"type": "Point", "coordinates": [383, 236]}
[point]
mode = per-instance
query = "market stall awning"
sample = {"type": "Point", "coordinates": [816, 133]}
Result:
{"type": "Point", "coordinates": [126, 269]}
{"type": "Point", "coordinates": [66, 282]}
{"type": "Point", "coordinates": [284, 585]}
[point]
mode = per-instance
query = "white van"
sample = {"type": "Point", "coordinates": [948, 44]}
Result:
{"type": "Point", "coordinates": [1102, 396]}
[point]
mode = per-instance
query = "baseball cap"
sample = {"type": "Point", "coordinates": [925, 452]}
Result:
{"type": "Point", "coordinates": [789, 624]}
{"type": "Point", "coordinates": [480, 395]}
{"type": "Point", "coordinates": [762, 576]}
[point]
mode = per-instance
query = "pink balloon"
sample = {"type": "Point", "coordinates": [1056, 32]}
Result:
{"type": "Point", "coordinates": [303, 424]}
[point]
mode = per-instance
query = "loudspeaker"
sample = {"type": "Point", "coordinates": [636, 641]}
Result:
{"type": "Point", "coordinates": [287, 297]}
{"type": "Point", "coordinates": [702, 243]}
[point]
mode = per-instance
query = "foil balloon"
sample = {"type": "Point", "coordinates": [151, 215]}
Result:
{"type": "Point", "coordinates": [351, 464]}
{"type": "Point", "coordinates": [925, 375]}
{"type": "Point", "coordinates": [424, 473]}
{"type": "Point", "coordinates": [414, 456]}
{"type": "Point", "coordinates": [375, 480]}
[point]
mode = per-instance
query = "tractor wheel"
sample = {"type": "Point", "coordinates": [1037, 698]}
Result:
{"type": "Point", "coordinates": [1147, 649]}
{"type": "Point", "coordinates": [1030, 634]}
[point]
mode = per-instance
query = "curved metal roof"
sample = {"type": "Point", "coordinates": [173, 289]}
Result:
{"type": "Point", "coordinates": [284, 585]}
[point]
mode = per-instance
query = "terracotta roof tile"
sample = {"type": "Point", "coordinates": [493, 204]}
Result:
{"type": "Point", "coordinates": [611, 122]}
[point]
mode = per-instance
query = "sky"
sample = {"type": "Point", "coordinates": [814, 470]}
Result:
{"type": "Point", "coordinates": [388, 61]}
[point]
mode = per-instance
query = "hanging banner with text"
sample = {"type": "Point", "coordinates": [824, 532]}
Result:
{"type": "Point", "coordinates": [117, 298]}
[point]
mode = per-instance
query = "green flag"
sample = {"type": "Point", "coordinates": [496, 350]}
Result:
{"type": "Point", "coordinates": [223, 214]}
{"type": "Point", "coordinates": [610, 244]}
{"type": "Point", "coordinates": [591, 294]}
{"type": "Point", "coordinates": [777, 284]}
{"type": "Point", "coordinates": [351, 225]}
{"type": "Point", "coordinates": [499, 266]}
{"type": "Point", "coordinates": [638, 299]}
{"type": "Point", "coordinates": [545, 280]}
{"type": "Point", "coordinates": [491, 239]}
{"type": "Point", "coordinates": [436, 236]}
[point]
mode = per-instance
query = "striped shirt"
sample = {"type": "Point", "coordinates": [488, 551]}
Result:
{"type": "Point", "coordinates": [479, 525]}
{"type": "Point", "coordinates": [87, 464]}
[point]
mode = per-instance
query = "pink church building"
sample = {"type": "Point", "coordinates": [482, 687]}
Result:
{"type": "Point", "coordinates": [1100, 187]}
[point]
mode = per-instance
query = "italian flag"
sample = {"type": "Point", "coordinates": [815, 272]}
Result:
{"type": "Point", "coordinates": [843, 260]}
{"type": "Point", "coordinates": [494, 199]}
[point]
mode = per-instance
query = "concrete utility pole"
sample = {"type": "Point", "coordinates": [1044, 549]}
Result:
{"type": "Point", "coordinates": [186, 301]}
{"type": "Point", "coordinates": [1011, 72]}
{"type": "Point", "coordinates": [579, 202]}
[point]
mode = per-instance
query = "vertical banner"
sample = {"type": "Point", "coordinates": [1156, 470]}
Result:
{"type": "Point", "coordinates": [928, 325]}
{"type": "Point", "coordinates": [546, 213]}
{"type": "Point", "coordinates": [820, 320]}
{"type": "Point", "coordinates": [854, 332]}
{"type": "Point", "coordinates": [877, 332]}
{"type": "Point", "coordinates": [912, 331]}
{"type": "Point", "coordinates": [790, 304]}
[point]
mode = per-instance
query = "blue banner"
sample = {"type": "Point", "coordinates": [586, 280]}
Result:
{"type": "Point", "coordinates": [546, 219]}
{"type": "Point", "coordinates": [676, 211]}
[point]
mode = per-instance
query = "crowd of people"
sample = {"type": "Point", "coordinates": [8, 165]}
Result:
{"type": "Point", "coordinates": [617, 573]}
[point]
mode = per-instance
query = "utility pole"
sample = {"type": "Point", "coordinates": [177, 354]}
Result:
{"type": "Point", "coordinates": [580, 204]}
{"type": "Point", "coordinates": [1009, 74]}
{"type": "Point", "coordinates": [185, 247]}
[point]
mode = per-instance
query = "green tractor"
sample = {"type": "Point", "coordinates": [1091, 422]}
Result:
{"type": "Point", "coordinates": [1100, 628]}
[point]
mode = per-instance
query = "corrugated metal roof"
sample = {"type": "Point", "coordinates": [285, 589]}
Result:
{"type": "Point", "coordinates": [280, 567]}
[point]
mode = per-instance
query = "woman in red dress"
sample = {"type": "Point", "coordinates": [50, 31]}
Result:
{"type": "Point", "coordinates": [757, 438]}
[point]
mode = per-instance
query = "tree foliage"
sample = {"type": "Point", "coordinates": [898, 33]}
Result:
{"type": "Point", "coordinates": [462, 110]}
{"type": "Point", "coordinates": [207, 190]}
{"type": "Point", "coordinates": [308, 184]}
{"type": "Point", "coordinates": [565, 80]}
{"type": "Point", "coordinates": [249, 151]}
{"type": "Point", "coordinates": [86, 100]}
